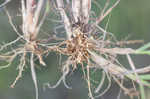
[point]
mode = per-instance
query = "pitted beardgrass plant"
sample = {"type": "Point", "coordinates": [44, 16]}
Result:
{"type": "Point", "coordinates": [82, 48]}
{"type": "Point", "coordinates": [29, 43]}
{"type": "Point", "coordinates": [87, 45]}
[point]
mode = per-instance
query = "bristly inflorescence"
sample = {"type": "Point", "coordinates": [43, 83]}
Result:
{"type": "Point", "coordinates": [86, 44]}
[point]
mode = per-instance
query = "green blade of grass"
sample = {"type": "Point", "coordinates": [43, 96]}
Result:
{"type": "Point", "coordinates": [142, 52]}
{"type": "Point", "coordinates": [142, 91]}
{"type": "Point", "coordinates": [47, 6]}
{"type": "Point", "coordinates": [143, 47]}
{"type": "Point", "coordinates": [133, 77]}
{"type": "Point", "coordinates": [145, 77]}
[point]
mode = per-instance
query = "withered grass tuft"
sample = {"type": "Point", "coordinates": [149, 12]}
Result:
{"type": "Point", "coordinates": [87, 45]}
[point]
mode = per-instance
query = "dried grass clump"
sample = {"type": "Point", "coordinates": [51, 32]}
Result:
{"type": "Point", "coordinates": [86, 44]}
{"type": "Point", "coordinates": [28, 41]}
{"type": "Point", "coordinates": [97, 51]}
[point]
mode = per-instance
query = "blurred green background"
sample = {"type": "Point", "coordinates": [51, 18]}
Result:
{"type": "Point", "coordinates": [131, 18]}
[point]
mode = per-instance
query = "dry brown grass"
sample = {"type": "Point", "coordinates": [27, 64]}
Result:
{"type": "Point", "coordinates": [86, 44]}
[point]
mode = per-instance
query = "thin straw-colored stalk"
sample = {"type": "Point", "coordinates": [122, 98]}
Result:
{"type": "Point", "coordinates": [137, 77]}
{"type": "Point", "coordinates": [37, 12]}
{"type": "Point", "coordinates": [86, 7]}
{"type": "Point", "coordinates": [13, 25]}
{"type": "Point", "coordinates": [103, 15]}
{"type": "Point", "coordinates": [60, 5]}
{"type": "Point", "coordinates": [76, 9]}
{"type": "Point", "coordinates": [23, 14]}
{"type": "Point", "coordinates": [33, 73]}
{"type": "Point", "coordinates": [114, 69]}
{"type": "Point", "coordinates": [44, 16]}
{"type": "Point", "coordinates": [3, 4]}
{"type": "Point", "coordinates": [107, 65]}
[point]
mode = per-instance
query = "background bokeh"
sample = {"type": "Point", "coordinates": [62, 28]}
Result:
{"type": "Point", "coordinates": [131, 18]}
